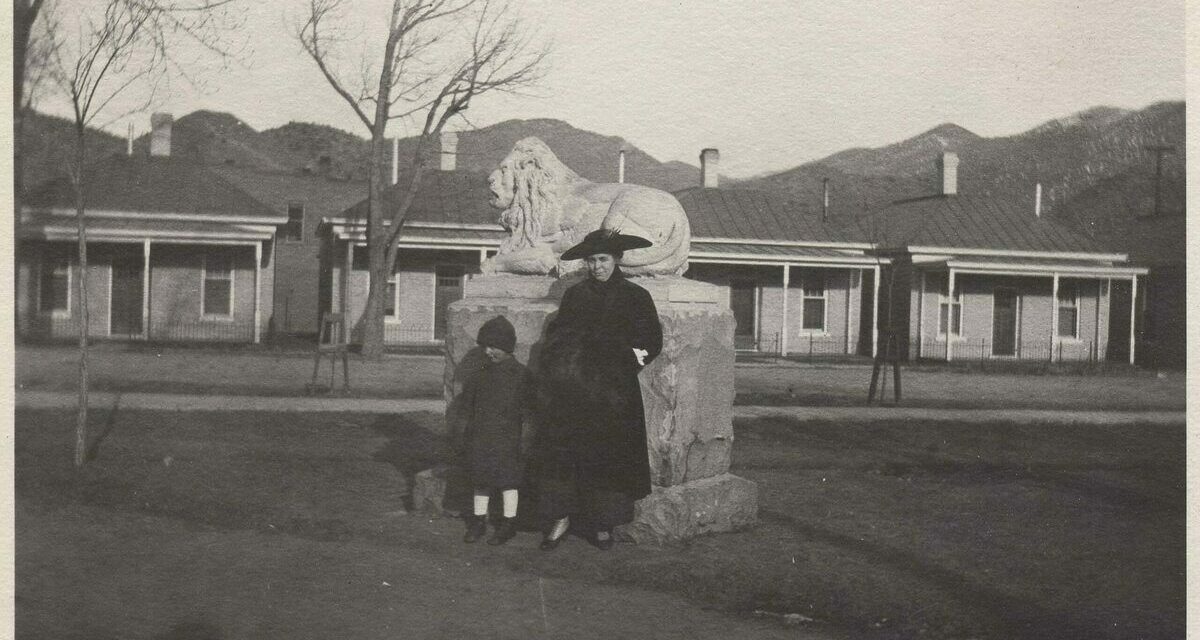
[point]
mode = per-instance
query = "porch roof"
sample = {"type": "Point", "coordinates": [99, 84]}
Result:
{"type": "Point", "coordinates": [52, 227]}
{"type": "Point", "coordinates": [757, 253]}
{"type": "Point", "coordinates": [418, 233]}
{"type": "Point", "coordinates": [1033, 267]}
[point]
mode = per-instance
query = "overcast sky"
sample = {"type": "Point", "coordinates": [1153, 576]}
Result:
{"type": "Point", "coordinates": [771, 83]}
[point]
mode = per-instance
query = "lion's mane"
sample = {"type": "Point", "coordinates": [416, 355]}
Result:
{"type": "Point", "coordinates": [547, 207]}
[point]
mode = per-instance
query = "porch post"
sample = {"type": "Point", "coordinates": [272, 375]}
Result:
{"type": "Point", "coordinates": [875, 315]}
{"type": "Point", "coordinates": [257, 291]}
{"type": "Point", "coordinates": [921, 320]}
{"type": "Point", "coordinates": [849, 299]}
{"type": "Point", "coordinates": [1132, 316]}
{"type": "Point", "coordinates": [345, 299]}
{"type": "Point", "coordinates": [145, 289]}
{"type": "Point", "coordinates": [482, 255]}
{"type": "Point", "coordinates": [950, 318]}
{"type": "Point", "coordinates": [783, 340]}
{"type": "Point", "coordinates": [1053, 314]}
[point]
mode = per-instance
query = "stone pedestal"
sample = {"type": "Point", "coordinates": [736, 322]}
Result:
{"type": "Point", "coordinates": [687, 391]}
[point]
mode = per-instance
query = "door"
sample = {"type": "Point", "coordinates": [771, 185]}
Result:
{"type": "Point", "coordinates": [448, 289]}
{"type": "Point", "coordinates": [126, 302]}
{"type": "Point", "coordinates": [742, 303]}
{"type": "Point", "coordinates": [1004, 322]}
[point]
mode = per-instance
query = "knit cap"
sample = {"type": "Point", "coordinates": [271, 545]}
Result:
{"type": "Point", "coordinates": [499, 333]}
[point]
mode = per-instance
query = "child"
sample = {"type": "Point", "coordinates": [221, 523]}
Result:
{"type": "Point", "coordinates": [495, 407]}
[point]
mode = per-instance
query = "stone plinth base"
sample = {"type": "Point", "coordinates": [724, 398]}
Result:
{"type": "Point", "coordinates": [712, 505]}
{"type": "Point", "coordinates": [687, 392]}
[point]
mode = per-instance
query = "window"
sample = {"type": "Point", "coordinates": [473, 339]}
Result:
{"type": "Point", "coordinates": [950, 312]}
{"type": "Point", "coordinates": [216, 293]}
{"type": "Point", "coordinates": [293, 231]}
{"type": "Point", "coordinates": [54, 284]}
{"type": "Point", "coordinates": [1068, 311]}
{"type": "Point", "coordinates": [391, 302]}
{"type": "Point", "coordinates": [813, 303]}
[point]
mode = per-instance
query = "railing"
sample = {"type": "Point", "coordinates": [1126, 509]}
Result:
{"type": "Point", "coordinates": [203, 331]}
{"type": "Point", "coordinates": [408, 335]}
{"type": "Point", "coordinates": [983, 349]}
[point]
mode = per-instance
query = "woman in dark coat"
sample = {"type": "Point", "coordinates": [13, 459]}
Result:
{"type": "Point", "coordinates": [590, 454]}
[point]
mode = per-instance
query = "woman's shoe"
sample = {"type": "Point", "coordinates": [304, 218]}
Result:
{"type": "Point", "coordinates": [503, 533]}
{"type": "Point", "coordinates": [476, 528]}
{"type": "Point", "coordinates": [603, 540]}
{"type": "Point", "coordinates": [555, 535]}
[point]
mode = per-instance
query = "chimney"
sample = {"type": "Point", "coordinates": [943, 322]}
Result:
{"type": "Point", "coordinates": [824, 198]}
{"type": "Point", "coordinates": [449, 151]}
{"type": "Point", "coordinates": [710, 161]}
{"type": "Point", "coordinates": [949, 173]}
{"type": "Point", "coordinates": [621, 166]}
{"type": "Point", "coordinates": [1037, 201]}
{"type": "Point", "coordinates": [160, 134]}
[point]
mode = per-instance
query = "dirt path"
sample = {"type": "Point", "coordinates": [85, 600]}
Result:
{"type": "Point", "coordinates": [221, 584]}
{"type": "Point", "coordinates": [184, 402]}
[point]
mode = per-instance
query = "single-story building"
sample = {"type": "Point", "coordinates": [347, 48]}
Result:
{"type": "Point", "coordinates": [449, 231]}
{"type": "Point", "coordinates": [779, 270]}
{"type": "Point", "coordinates": [796, 281]}
{"type": "Point", "coordinates": [977, 277]}
{"type": "Point", "coordinates": [175, 252]}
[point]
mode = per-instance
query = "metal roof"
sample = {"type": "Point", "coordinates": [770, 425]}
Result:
{"type": "Point", "coordinates": [443, 196]}
{"type": "Point", "coordinates": [151, 184]}
{"type": "Point", "coordinates": [759, 215]}
{"type": "Point", "coordinates": [963, 221]}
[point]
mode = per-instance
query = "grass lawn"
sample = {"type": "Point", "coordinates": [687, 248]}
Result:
{"type": "Point", "coordinates": [230, 525]}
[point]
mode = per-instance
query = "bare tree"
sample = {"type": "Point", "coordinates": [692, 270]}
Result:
{"type": "Point", "coordinates": [31, 47]}
{"type": "Point", "coordinates": [126, 47]}
{"type": "Point", "coordinates": [437, 56]}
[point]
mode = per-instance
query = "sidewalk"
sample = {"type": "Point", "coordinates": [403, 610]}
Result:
{"type": "Point", "coordinates": [200, 372]}
{"type": "Point", "coordinates": [186, 402]}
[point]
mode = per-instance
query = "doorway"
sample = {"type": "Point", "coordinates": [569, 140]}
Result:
{"type": "Point", "coordinates": [742, 301]}
{"type": "Point", "coordinates": [1005, 306]}
{"type": "Point", "coordinates": [449, 288]}
{"type": "Point", "coordinates": [126, 301]}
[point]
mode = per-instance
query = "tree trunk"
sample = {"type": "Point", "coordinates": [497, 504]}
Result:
{"type": "Point", "coordinates": [377, 246]}
{"type": "Point", "coordinates": [81, 289]}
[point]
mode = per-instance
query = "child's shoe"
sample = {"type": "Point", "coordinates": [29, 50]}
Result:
{"type": "Point", "coordinates": [476, 528]}
{"type": "Point", "coordinates": [503, 533]}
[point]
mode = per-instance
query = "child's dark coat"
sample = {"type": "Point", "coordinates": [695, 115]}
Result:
{"type": "Point", "coordinates": [494, 406]}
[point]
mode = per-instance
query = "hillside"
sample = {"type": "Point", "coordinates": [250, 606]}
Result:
{"type": "Point", "coordinates": [222, 138]}
{"type": "Point", "coordinates": [1070, 156]}
{"type": "Point", "coordinates": [49, 141]}
{"type": "Point", "coordinates": [591, 155]}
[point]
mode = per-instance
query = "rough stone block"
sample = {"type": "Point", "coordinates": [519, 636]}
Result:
{"type": "Point", "coordinates": [712, 505]}
{"type": "Point", "coordinates": [688, 394]}
{"type": "Point", "coordinates": [440, 490]}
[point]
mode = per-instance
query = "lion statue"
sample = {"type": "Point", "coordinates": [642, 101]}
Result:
{"type": "Point", "coordinates": [548, 208]}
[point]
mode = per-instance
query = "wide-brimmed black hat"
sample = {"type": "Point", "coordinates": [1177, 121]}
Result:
{"type": "Point", "coordinates": [608, 241]}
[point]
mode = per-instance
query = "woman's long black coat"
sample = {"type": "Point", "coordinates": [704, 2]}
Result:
{"type": "Point", "coordinates": [592, 425]}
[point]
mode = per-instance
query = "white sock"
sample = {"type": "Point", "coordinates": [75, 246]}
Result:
{"type": "Point", "coordinates": [510, 503]}
{"type": "Point", "coordinates": [481, 503]}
